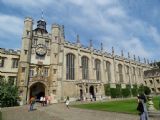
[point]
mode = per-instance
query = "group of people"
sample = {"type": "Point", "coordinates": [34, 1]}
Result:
{"type": "Point", "coordinates": [45, 100]}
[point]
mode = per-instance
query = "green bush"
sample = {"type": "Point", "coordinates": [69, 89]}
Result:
{"type": "Point", "coordinates": [147, 90]}
{"type": "Point", "coordinates": [116, 92]}
{"type": "Point", "coordinates": [8, 94]}
{"type": "Point", "coordinates": [126, 91]}
{"type": "Point", "coordinates": [135, 90]}
{"type": "Point", "coordinates": [141, 89]}
{"type": "Point", "coordinates": [107, 89]}
{"type": "Point", "coordinates": [113, 92]}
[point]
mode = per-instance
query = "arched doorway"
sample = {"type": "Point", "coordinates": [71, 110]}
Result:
{"type": "Point", "coordinates": [91, 91]}
{"type": "Point", "coordinates": [81, 94]}
{"type": "Point", "coordinates": [37, 90]}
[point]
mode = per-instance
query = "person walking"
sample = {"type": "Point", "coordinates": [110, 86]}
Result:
{"type": "Point", "coordinates": [142, 108]}
{"type": "Point", "coordinates": [144, 102]}
{"type": "Point", "coordinates": [67, 102]}
{"type": "Point", "coordinates": [32, 102]}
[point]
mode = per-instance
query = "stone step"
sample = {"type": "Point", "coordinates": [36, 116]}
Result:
{"type": "Point", "coordinates": [154, 113]}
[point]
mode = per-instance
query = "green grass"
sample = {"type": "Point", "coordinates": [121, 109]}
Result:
{"type": "Point", "coordinates": [156, 102]}
{"type": "Point", "coordinates": [122, 106]}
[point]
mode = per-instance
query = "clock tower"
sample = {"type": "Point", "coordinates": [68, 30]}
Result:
{"type": "Point", "coordinates": [34, 68]}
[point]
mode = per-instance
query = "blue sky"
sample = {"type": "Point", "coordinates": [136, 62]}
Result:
{"type": "Point", "coordinates": [129, 25]}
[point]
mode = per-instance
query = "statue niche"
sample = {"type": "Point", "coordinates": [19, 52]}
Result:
{"type": "Point", "coordinates": [39, 70]}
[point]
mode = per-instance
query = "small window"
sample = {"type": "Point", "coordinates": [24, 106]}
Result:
{"type": "Point", "coordinates": [45, 71]}
{"type": "Point", "coordinates": [54, 71]}
{"type": "Point", "coordinates": [47, 43]}
{"type": "Point", "coordinates": [153, 89]}
{"type": "Point", "coordinates": [2, 61]}
{"type": "Point", "coordinates": [145, 82]}
{"type": "Point", "coordinates": [151, 81]}
{"type": "Point", "coordinates": [56, 37]}
{"type": "Point", "coordinates": [31, 73]}
{"type": "Point", "coordinates": [12, 80]}
{"type": "Point", "coordinates": [157, 81]}
{"type": "Point", "coordinates": [158, 89]}
{"type": "Point", "coordinates": [14, 63]}
{"type": "Point", "coordinates": [25, 52]}
{"type": "Point", "coordinates": [35, 41]}
{"type": "Point", "coordinates": [28, 33]}
{"type": "Point", "coordinates": [23, 69]}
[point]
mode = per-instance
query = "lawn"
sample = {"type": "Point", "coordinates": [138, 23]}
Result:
{"type": "Point", "coordinates": [123, 106]}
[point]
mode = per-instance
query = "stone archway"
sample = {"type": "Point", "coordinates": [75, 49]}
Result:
{"type": "Point", "coordinates": [91, 91]}
{"type": "Point", "coordinates": [81, 94]}
{"type": "Point", "coordinates": [37, 90]}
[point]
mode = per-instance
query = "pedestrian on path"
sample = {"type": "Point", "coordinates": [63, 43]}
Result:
{"type": "Point", "coordinates": [67, 102]}
{"type": "Point", "coordinates": [142, 107]}
{"type": "Point", "coordinates": [31, 102]}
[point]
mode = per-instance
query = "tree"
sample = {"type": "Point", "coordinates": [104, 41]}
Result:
{"type": "Point", "coordinates": [8, 94]}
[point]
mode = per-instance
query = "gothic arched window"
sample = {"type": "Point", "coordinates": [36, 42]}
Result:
{"type": "Point", "coordinates": [120, 73]}
{"type": "Point", "coordinates": [108, 70]}
{"type": "Point", "coordinates": [70, 61]}
{"type": "Point", "coordinates": [84, 60]}
{"type": "Point", "coordinates": [98, 69]}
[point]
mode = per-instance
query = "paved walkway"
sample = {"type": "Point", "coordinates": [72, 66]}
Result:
{"type": "Point", "coordinates": [60, 112]}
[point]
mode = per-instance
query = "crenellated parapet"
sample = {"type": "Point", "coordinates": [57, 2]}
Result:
{"type": "Point", "coordinates": [10, 51]}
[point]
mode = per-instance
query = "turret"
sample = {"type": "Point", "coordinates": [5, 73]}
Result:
{"type": "Point", "coordinates": [26, 39]}
{"type": "Point", "coordinates": [23, 71]}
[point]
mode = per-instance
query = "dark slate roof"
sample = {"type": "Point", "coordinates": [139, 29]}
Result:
{"type": "Point", "coordinates": [152, 73]}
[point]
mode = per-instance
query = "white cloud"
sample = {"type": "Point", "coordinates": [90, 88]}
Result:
{"type": "Point", "coordinates": [104, 20]}
{"type": "Point", "coordinates": [11, 29]}
{"type": "Point", "coordinates": [27, 3]}
{"type": "Point", "coordinates": [116, 11]}
{"type": "Point", "coordinates": [154, 34]}
{"type": "Point", "coordinates": [135, 46]}
{"type": "Point", "coordinates": [10, 24]}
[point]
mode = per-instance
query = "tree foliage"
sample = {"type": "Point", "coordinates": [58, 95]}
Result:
{"type": "Point", "coordinates": [8, 94]}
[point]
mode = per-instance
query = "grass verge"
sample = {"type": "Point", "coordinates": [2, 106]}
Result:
{"type": "Point", "coordinates": [128, 106]}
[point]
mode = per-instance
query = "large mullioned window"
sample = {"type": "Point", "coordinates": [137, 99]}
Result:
{"type": "Point", "coordinates": [108, 70]}
{"type": "Point", "coordinates": [98, 69]}
{"type": "Point", "coordinates": [84, 61]}
{"type": "Point", "coordinates": [70, 64]}
{"type": "Point", "coordinates": [120, 73]}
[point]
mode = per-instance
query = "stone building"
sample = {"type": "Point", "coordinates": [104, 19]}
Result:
{"type": "Point", "coordinates": [9, 64]}
{"type": "Point", "coordinates": [50, 65]}
{"type": "Point", "coordinates": [152, 80]}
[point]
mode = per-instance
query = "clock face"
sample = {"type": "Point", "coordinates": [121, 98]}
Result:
{"type": "Point", "coordinates": [41, 49]}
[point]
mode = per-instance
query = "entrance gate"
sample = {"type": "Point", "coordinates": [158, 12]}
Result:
{"type": "Point", "coordinates": [37, 90]}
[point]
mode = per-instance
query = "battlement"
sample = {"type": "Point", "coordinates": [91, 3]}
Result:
{"type": "Point", "coordinates": [10, 51]}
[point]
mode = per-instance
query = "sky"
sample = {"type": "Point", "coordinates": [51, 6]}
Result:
{"type": "Point", "coordinates": [129, 25]}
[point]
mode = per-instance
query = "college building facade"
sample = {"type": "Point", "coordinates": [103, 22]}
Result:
{"type": "Point", "coordinates": [47, 64]}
